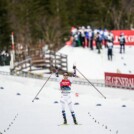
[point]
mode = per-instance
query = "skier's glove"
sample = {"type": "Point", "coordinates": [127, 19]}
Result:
{"type": "Point", "coordinates": [74, 67]}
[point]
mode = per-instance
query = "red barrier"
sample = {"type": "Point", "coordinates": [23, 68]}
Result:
{"type": "Point", "coordinates": [119, 80]}
{"type": "Point", "coordinates": [129, 36]}
{"type": "Point", "coordinates": [70, 42]}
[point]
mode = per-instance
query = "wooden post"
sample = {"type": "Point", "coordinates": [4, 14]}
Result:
{"type": "Point", "coordinates": [12, 53]}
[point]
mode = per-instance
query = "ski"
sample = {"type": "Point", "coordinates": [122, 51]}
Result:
{"type": "Point", "coordinates": [63, 124]}
{"type": "Point", "coordinates": [68, 124]}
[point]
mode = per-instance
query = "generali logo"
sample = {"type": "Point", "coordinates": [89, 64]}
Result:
{"type": "Point", "coordinates": [119, 81]}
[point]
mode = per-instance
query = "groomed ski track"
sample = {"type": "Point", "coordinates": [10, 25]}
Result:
{"type": "Point", "coordinates": [19, 115]}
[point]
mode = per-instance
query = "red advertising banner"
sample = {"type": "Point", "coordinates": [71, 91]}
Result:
{"type": "Point", "coordinates": [129, 36]}
{"type": "Point", "coordinates": [119, 80]}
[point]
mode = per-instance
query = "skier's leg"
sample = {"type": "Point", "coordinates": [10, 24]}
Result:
{"type": "Point", "coordinates": [62, 105]}
{"type": "Point", "coordinates": [74, 118]}
{"type": "Point", "coordinates": [124, 48]}
{"type": "Point", "coordinates": [98, 47]}
{"type": "Point", "coordinates": [64, 117]}
{"type": "Point", "coordinates": [120, 48]}
{"type": "Point", "coordinates": [62, 101]}
{"type": "Point", "coordinates": [111, 54]}
{"type": "Point", "coordinates": [71, 109]}
{"type": "Point", "coordinates": [108, 54]}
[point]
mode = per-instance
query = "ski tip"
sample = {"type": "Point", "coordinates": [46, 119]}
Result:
{"type": "Point", "coordinates": [77, 124]}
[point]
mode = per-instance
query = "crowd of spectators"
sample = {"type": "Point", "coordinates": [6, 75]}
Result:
{"type": "Point", "coordinates": [87, 37]}
{"type": "Point", "coordinates": [84, 36]}
{"type": "Point", "coordinates": [4, 58]}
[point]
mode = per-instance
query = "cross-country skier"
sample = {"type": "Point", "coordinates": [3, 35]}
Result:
{"type": "Point", "coordinates": [65, 86]}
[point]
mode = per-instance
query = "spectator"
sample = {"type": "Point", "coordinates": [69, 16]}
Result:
{"type": "Point", "coordinates": [98, 42]}
{"type": "Point", "coordinates": [91, 39]}
{"type": "Point", "coordinates": [8, 58]}
{"type": "Point", "coordinates": [101, 37]}
{"type": "Point", "coordinates": [122, 42]}
{"type": "Point", "coordinates": [105, 38]}
{"type": "Point", "coordinates": [110, 46]}
{"type": "Point", "coordinates": [76, 40]}
{"type": "Point", "coordinates": [4, 58]}
{"type": "Point", "coordinates": [82, 36]}
{"type": "Point", "coordinates": [87, 36]}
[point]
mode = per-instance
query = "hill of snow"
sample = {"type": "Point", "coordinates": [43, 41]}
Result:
{"type": "Point", "coordinates": [114, 115]}
{"type": "Point", "coordinates": [94, 65]}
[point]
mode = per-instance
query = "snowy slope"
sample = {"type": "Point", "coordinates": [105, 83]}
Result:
{"type": "Point", "coordinates": [19, 115]}
{"type": "Point", "coordinates": [93, 65]}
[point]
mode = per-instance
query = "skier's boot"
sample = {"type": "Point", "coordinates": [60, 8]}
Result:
{"type": "Point", "coordinates": [64, 117]}
{"type": "Point", "coordinates": [74, 118]}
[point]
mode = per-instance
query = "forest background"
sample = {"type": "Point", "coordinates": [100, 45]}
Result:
{"type": "Point", "coordinates": [49, 22]}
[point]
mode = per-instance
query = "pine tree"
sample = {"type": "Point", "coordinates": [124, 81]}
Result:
{"type": "Point", "coordinates": [5, 31]}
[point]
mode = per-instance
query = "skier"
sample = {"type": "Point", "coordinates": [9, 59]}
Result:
{"type": "Point", "coordinates": [65, 86]}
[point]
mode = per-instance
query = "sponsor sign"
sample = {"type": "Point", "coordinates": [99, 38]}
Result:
{"type": "Point", "coordinates": [119, 80]}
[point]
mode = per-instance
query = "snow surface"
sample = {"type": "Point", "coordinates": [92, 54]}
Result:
{"type": "Point", "coordinates": [19, 115]}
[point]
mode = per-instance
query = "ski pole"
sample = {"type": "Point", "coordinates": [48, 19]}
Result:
{"type": "Point", "coordinates": [91, 83]}
{"type": "Point", "coordinates": [42, 87]}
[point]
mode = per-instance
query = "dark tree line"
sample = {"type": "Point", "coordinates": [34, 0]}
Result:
{"type": "Point", "coordinates": [49, 21]}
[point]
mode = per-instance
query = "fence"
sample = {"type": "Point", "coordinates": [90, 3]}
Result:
{"type": "Point", "coordinates": [20, 66]}
{"type": "Point", "coordinates": [77, 81]}
{"type": "Point", "coordinates": [49, 60]}
{"type": "Point", "coordinates": [41, 60]}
